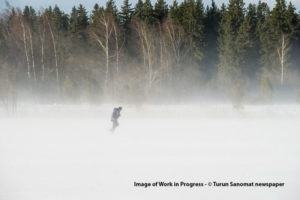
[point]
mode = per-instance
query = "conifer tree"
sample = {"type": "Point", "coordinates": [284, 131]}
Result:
{"type": "Point", "coordinates": [223, 9]}
{"type": "Point", "coordinates": [191, 17]}
{"type": "Point", "coordinates": [174, 11]}
{"type": "Point", "coordinates": [160, 10]}
{"type": "Point", "coordinates": [95, 13]}
{"type": "Point", "coordinates": [248, 45]}
{"type": "Point", "coordinates": [82, 22]}
{"type": "Point", "coordinates": [275, 42]}
{"type": "Point", "coordinates": [30, 16]}
{"type": "Point", "coordinates": [139, 8]}
{"type": "Point", "coordinates": [211, 28]}
{"type": "Point", "coordinates": [291, 18]}
{"type": "Point", "coordinates": [112, 8]}
{"type": "Point", "coordinates": [73, 26]}
{"type": "Point", "coordinates": [263, 25]}
{"type": "Point", "coordinates": [125, 15]}
{"type": "Point", "coordinates": [59, 18]}
{"type": "Point", "coordinates": [198, 32]}
{"type": "Point", "coordinates": [229, 47]}
{"type": "Point", "coordinates": [148, 12]}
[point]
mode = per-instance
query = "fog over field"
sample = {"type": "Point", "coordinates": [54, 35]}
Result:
{"type": "Point", "coordinates": [210, 96]}
{"type": "Point", "coordinates": [67, 152]}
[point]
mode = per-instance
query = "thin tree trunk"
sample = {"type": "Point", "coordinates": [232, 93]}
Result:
{"type": "Point", "coordinates": [282, 54]}
{"type": "Point", "coordinates": [104, 43]}
{"type": "Point", "coordinates": [283, 57]}
{"type": "Point", "coordinates": [146, 42]}
{"type": "Point", "coordinates": [107, 58]}
{"type": "Point", "coordinates": [144, 51]}
{"type": "Point", "coordinates": [42, 61]}
{"type": "Point", "coordinates": [140, 30]}
{"type": "Point", "coordinates": [55, 56]}
{"type": "Point", "coordinates": [116, 77]}
{"type": "Point", "coordinates": [32, 55]}
{"type": "Point", "coordinates": [25, 48]}
{"type": "Point", "coordinates": [42, 50]}
{"type": "Point", "coordinates": [148, 59]}
{"type": "Point", "coordinates": [117, 49]}
{"type": "Point", "coordinates": [166, 60]}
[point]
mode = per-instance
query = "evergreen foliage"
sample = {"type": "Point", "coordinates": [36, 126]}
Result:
{"type": "Point", "coordinates": [175, 50]}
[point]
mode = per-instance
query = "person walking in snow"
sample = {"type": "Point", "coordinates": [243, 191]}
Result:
{"type": "Point", "coordinates": [115, 116]}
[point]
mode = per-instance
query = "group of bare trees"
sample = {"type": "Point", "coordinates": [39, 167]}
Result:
{"type": "Point", "coordinates": [140, 53]}
{"type": "Point", "coordinates": [161, 47]}
{"type": "Point", "coordinates": [106, 33]}
{"type": "Point", "coordinates": [35, 40]}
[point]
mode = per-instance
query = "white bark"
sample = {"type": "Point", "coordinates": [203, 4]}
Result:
{"type": "Point", "coordinates": [175, 36]}
{"type": "Point", "coordinates": [106, 23]}
{"type": "Point", "coordinates": [42, 38]}
{"type": "Point", "coordinates": [117, 48]}
{"type": "Point", "coordinates": [146, 42]}
{"type": "Point", "coordinates": [175, 42]}
{"type": "Point", "coordinates": [55, 56]}
{"type": "Point", "coordinates": [25, 47]}
{"type": "Point", "coordinates": [282, 54]}
{"type": "Point", "coordinates": [32, 54]}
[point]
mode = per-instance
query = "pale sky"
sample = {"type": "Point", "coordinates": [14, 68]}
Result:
{"type": "Point", "coordinates": [67, 5]}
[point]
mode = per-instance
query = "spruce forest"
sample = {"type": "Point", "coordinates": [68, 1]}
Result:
{"type": "Point", "coordinates": [146, 52]}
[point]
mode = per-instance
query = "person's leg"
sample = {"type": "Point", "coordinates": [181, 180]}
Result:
{"type": "Point", "coordinates": [113, 127]}
{"type": "Point", "coordinates": [115, 124]}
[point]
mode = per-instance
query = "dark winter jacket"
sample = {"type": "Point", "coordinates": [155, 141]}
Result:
{"type": "Point", "coordinates": [115, 115]}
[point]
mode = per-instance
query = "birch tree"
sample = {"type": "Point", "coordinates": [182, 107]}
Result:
{"type": "Point", "coordinates": [283, 50]}
{"type": "Point", "coordinates": [119, 43]}
{"type": "Point", "coordinates": [101, 32]}
{"type": "Point", "coordinates": [32, 53]}
{"type": "Point", "coordinates": [175, 39]}
{"type": "Point", "coordinates": [55, 54]}
{"type": "Point", "coordinates": [147, 42]}
{"type": "Point", "coordinates": [42, 34]}
{"type": "Point", "coordinates": [24, 38]}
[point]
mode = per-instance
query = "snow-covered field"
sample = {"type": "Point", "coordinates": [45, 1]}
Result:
{"type": "Point", "coordinates": [68, 153]}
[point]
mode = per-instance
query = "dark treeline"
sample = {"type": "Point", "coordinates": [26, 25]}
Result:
{"type": "Point", "coordinates": [148, 52]}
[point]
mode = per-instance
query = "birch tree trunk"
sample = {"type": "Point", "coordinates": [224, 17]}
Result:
{"type": "Point", "coordinates": [283, 54]}
{"type": "Point", "coordinates": [175, 42]}
{"type": "Point", "coordinates": [175, 36]}
{"type": "Point", "coordinates": [142, 43]}
{"type": "Point", "coordinates": [42, 38]}
{"type": "Point", "coordinates": [146, 42]}
{"type": "Point", "coordinates": [117, 48]}
{"type": "Point", "coordinates": [25, 47]}
{"type": "Point", "coordinates": [107, 55]}
{"type": "Point", "coordinates": [161, 53]}
{"type": "Point", "coordinates": [32, 54]}
{"type": "Point", "coordinates": [55, 56]}
{"type": "Point", "coordinates": [104, 28]}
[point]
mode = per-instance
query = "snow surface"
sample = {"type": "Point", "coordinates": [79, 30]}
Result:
{"type": "Point", "coordinates": [68, 153]}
